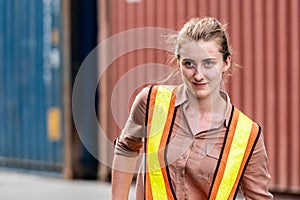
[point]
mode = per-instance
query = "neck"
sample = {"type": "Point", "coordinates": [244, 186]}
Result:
{"type": "Point", "coordinates": [212, 104]}
{"type": "Point", "coordinates": [206, 113]}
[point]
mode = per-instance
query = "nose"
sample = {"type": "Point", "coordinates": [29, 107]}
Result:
{"type": "Point", "coordinates": [198, 74]}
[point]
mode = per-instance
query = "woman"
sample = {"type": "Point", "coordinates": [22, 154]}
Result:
{"type": "Point", "coordinates": [196, 144]}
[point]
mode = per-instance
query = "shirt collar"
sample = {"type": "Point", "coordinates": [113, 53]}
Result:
{"type": "Point", "coordinates": [225, 95]}
{"type": "Point", "coordinates": [182, 97]}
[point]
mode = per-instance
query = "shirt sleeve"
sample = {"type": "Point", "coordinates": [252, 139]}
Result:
{"type": "Point", "coordinates": [130, 141]}
{"type": "Point", "coordinates": [255, 181]}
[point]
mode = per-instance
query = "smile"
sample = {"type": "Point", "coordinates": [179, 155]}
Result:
{"type": "Point", "coordinates": [199, 84]}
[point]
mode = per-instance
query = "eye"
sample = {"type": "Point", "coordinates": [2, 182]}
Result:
{"type": "Point", "coordinates": [188, 63]}
{"type": "Point", "coordinates": [208, 63]}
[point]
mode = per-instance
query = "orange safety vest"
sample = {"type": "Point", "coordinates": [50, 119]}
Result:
{"type": "Point", "coordinates": [241, 137]}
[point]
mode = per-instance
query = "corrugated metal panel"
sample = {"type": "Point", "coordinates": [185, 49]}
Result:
{"type": "Point", "coordinates": [31, 78]}
{"type": "Point", "coordinates": [265, 37]}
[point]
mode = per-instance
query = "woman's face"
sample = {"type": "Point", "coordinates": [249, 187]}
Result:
{"type": "Point", "coordinates": [202, 65]}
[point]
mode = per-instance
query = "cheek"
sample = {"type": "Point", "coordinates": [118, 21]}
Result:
{"type": "Point", "coordinates": [186, 73]}
{"type": "Point", "coordinates": [214, 74]}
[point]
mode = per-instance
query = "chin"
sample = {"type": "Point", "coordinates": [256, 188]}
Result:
{"type": "Point", "coordinates": [200, 94]}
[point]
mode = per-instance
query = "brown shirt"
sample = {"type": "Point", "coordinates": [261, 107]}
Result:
{"type": "Point", "coordinates": [194, 150]}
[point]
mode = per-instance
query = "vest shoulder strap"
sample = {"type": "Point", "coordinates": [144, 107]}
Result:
{"type": "Point", "coordinates": [241, 137]}
{"type": "Point", "coordinates": [160, 111]}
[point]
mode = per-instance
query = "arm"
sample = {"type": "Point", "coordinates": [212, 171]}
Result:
{"type": "Point", "coordinates": [124, 165]}
{"type": "Point", "coordinates": [127, 148]}
{"type": "Point", "coordinates": [256, 178]}
{"type": "Point", "coordinates": [122, 178]}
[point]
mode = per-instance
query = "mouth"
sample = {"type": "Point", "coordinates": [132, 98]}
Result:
{"type": "Point", "coordinates": [199, 85]}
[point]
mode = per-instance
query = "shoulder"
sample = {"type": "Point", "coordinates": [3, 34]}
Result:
{"type": "Point", "coordinates": [244, 115]}
{"type": "Point", "coordinates": [141, 97]}
{"type": "Point", "coordinates": [140, 101]}
{"type": "Point", "coordinates": [139, 105]}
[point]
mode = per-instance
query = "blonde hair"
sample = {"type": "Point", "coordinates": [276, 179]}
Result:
{"type": "Point", "coordinates": [204, 29]}
{"type": "Point", "coordinates": [197, 29]}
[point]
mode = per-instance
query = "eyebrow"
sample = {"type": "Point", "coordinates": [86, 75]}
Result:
{"type": "Point", "coordinates": [209, 59]}
{"type": "Point", "coordinates": [188, 59]}
{"type": "Point", "coordinates": [204, 60]}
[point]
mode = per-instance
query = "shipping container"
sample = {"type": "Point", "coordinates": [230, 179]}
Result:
{"type": "Point", "coordinates": [83, 136]}
{"type": "Point", "coordinates": [43, 44]}
{"type": "Point", "coordinates": [31, 86]}
{"type": "Point", "coordinates": [265, 38]}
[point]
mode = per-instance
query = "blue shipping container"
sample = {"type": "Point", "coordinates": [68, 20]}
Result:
{"type": "Point", "coordinates": [31, 135]}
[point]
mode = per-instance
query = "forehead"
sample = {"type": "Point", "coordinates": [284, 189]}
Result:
{"type": "Point", "coordinates": [196, 49]}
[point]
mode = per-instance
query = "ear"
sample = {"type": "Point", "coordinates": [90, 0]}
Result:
{"type": "Point", "coordinates": [227, 64]}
